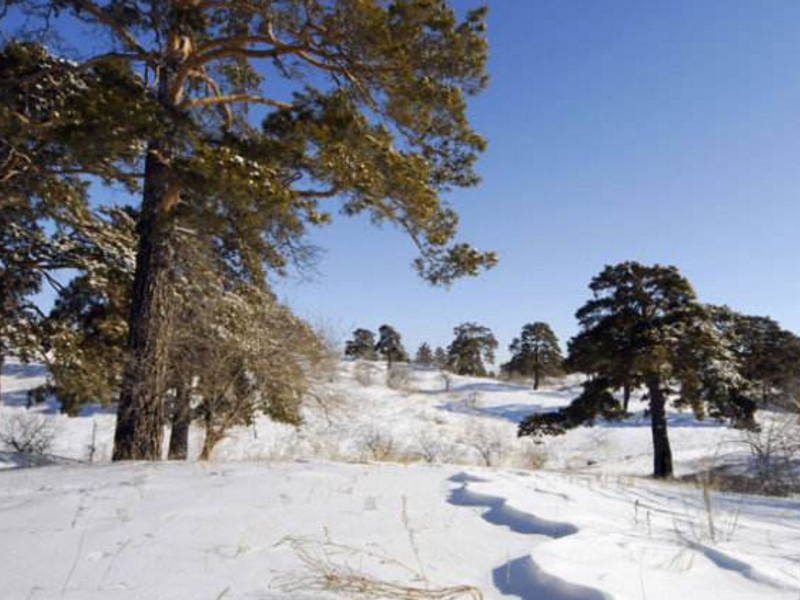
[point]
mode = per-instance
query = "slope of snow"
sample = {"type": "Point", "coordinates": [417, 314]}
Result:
{"type": "Point", "coordinates": [240, 531]}
{"type": "Point", "coordinates": [468, 421]}
{"type": "Point", "coordinates": [272, 517]}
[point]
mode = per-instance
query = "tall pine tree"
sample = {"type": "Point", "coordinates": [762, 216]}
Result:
{"type": "Point", "coordinates": [424, 355]}
{"type": "Point", "coordinates": [371, 110]}
{"type": "Point", "coordinates": [674, 342]}
{"type": "Point", "coordinates": [472, 348]}
{"type": "Point", "coordinates": [390, 345]}
{"type": "Point", "coordinates": [535, 353]}
{"type": "Point", "coordinates": [362, 345]}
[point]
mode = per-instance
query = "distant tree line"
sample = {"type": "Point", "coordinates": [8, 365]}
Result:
{"type": "Point", "coordinates": [535, 354]}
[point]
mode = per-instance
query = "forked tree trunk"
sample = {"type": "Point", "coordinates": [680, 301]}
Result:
{"type": "Point", "coordinates": [662, 454]}
{"type": "Point", "coordinates": [181, 419]}
{"type": "Point", "coordinates": [141, 415]}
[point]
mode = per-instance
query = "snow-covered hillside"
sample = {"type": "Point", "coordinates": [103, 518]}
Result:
{"type": "Point", "coordinates": [278, 513]}
{"type": "Point", "coordinates": [356, 417]}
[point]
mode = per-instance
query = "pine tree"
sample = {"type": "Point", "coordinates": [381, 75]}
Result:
{"type": "Point", "coordinates": [390, 345]}
{"type": "Point", "coordinates": [374, 114]}
{"type": "Point", "coordinates": [769, 356]}
{"type": "Point", "coordinates": [673, 340]}
{"type": "Point", "coordinates": [84, 334]}
{"type": "Point", "coordinates": [18, 314]}
{"type": "Point", "coordinates": [535, 353]}
{"type": "Point", "coordinates": [440, 357]}
{"type": "Point", "coordinates": [424, 355]}
{"type": "Point", "coordinates": [473, 346]}
{"type": "Point", "coordinates": [362, 345]}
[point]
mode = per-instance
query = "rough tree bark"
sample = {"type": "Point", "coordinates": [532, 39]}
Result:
{"type": "Point", "coordinates": [181, 420]}
{"type": "Point", "coordinates": [662, 454]}
{"type": "Point", "coordinates": [141, 415]}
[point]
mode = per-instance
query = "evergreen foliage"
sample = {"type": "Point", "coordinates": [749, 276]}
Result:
{"type": "Point", "coordinates": [424, 355]}
{"type": "Point", "coordinates": [371, 110]}
{"type": "Point", "coordinates": [669, 338]}
{"type": "Point", "coordinates": [535, 353]}
{"type": "Point", "coordinates": [362, 345]}
{"type": "Point", "coordinates": [390, 345]}
{"type": "Point", "coordinates": [440, 359]}
{"type": "Point", "coordinates": [595, 401]}
{"type": "Point", "coordinates": [768, 355]}
{"type": "Point", "coordinates": [18, 315]}
{"type": "Point", "coordinates": [84, 334]}
{"type": "Point", "coordinates": [472, 348]}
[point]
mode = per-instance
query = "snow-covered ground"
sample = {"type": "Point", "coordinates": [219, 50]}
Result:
{"type": "Point", "coordinates": [278, 513]}
{"type": "Point", "coordinates": [465, 420]}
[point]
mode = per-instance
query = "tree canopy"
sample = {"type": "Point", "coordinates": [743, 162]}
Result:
{"type": "Point", "coordinates": [535, 353]}
{"type": "Point", "coordinates": [472, 348]}
{"type": "Point", "coordinates": [390, 345]}
{"type": "Point", "coordinates": [362, 345]}
{"type": "Point", "coordinates": [673, 346]}
{"type": "Point", "coordinates": [243, 123]}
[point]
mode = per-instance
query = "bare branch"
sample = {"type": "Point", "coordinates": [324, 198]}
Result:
{"type": "Point", "coordinates": [121, 32]}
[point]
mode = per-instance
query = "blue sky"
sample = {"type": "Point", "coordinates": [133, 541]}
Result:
{"type": "Point", "coordinates": [654, 131]}
{"type": "Point", "coordinates": [662, 131]}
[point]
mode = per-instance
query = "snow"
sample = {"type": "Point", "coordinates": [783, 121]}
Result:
{"type": "Point", "coordinates": [285, 513]}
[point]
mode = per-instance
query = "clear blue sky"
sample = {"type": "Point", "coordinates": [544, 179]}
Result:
{"type": "Point", "coordinates": [661, 131]}
{"type": "Point", "coordinates": [664, 131]}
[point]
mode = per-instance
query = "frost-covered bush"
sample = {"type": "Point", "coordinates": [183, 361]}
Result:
{"type": "Point", "coordinates": [376, 444]}
{"type": "Point", "coordinates": [531, 457]}
{"type": "Point", "coordinates": [775, 453]}
{"type": "Point", "coordinates": [398, 377]}
{"type": "Point", "coordinates": [28, 433]}
{"type": "Point", "coordinates": [487, 442]}
{"type": "Point", "coordinates": [363, 373]}
{"type": "Point", "coordinates": [433, 448]}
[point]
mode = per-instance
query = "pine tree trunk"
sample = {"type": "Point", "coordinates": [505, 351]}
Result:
{"type": "Point", "coordinates": [2, 364]}
{"type": "Point", "coordinates": [536, 378]}
{"type": "Point", "coordinates": [626, 395]}
{"type": "Point", "coordinates": [662, 454]}
{"type": "Point", "coordinates": [181, 422]}
{"type": "Point", "coordinates": [141, 415]}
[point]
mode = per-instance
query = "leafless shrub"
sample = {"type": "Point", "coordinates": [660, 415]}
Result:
{"type": "Point", "coordinates": [532, 457]}
{"type": "Point", "coordinates": [434, 449]}
{"type": "Point", "coordinates": [28, 433]}
{"type": "Point", "coordinates": [328, 401]}
{"type": "Point", "coordinates": [364, 373]}
{"type": "Point", "coordinates": [775, 452]}
{"type": "Point", "coordinates": [330, 340]}
{"type": "Point", "coordinates": [328, 567]}
{"type": "Point", "coordinates": [487, 442]}
{"type": "Point", "coordinates": [376, 444]}
{"type": "Point", "coordinates": [248, 355]}
{"type": "Point", "coordinates": [398, 377]}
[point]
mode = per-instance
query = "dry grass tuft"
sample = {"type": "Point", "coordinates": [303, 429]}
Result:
{"type": "Point", "coordinates": [326, 569]}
